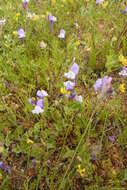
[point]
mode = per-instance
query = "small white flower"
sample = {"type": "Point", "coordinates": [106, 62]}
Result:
{"type": "Point", "coordinates": [2, 22]}
{"type": "Point", "coordinates": [62, 34]}
{"type": "Point", "coordinates": [43, 45]}
{"type": "Point", "coordinates": [37, 110]}
{"type": "Point", "coordinates": [70, 75]}
{"type": "Point", "coordinates": [78, 98]}
{"type": "Point", "coordinates": [123, 73]}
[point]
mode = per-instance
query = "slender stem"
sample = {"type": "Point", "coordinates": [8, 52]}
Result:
{"type": "Point", "coordinates": [82, 137]}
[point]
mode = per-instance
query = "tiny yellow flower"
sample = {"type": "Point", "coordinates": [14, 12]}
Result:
{"type": "Point", "coordinates": [64, 91]}
{"type": "Point", "coordinates": [15, 33]}
{"type": "Point", "coordinates": [77, 43]}
{"type": "Point", "coordinates": [123, 60]}
{"type": "Point", "coordinates": [36, 18]}
{"type": "Point", "coordinates": [53, 2]}
{"type": "Point", "coordinates": [47, 13]}
{"type": "Point", "coordinates": [16, 16]}
{"type": "Point", "coordinates": [122, 87]}
{"type": "Point", "coordinates": [29, 141]}
{"type": "Point", "coordinates": [81, 171]}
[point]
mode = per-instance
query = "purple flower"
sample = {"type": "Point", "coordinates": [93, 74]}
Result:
{"type": "Point", "coordinates": [69, 85]}
{"type": "Point", "coordinates": [98, 84]}
{"type": "Point", "coordinates": [103, 84]}
{"type": "Point", "coordinates": [62, 34]}
{"type": "Point", "coordinates": [125, 9]}
{"type": "Point", "coordinates": [75, 68]}
{"type": "Point", "coordinates": [21, 34]}
{"type": "Point", "coordinates": [39, 103]}
{"type": "Point", "coordinates": [99, 1]}
{"type": "Point", "coordinates": [3, 166]}
{"type": "Point", "coordinates": [52, 19]}
{"type": "Point", "coordinates": [71, 95]}
{"type": "Point", "coordinates": [25, 5]}
{"type": "Point", "coordinates": [123, 73]}
{"type": "Point", "coordinates": [72, 72]}
{"type": "Point", "coordinates": [41, 93]}
{"type": "Point", "coordinates": [106, 82]}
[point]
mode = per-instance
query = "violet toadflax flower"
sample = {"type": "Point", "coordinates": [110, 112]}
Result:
{"type": "Point", "coordinates": [123, 73]}
{"type": "Point", "coordinates": [98, 84]}
{"type": "Point", "coordinates": [41, 93]}
{"type": "Point", "coordinates": [103, 85]}
{"type": "Point", "coordinates": [21, 34]}
{"type": "Point", "coordinates": [3, 166]}
{"type": "Point", "coordinates": [69, 85]}
{"type": "Point", "coordinates": [39, 103]}
{"type": "Point", "coordinates": [62, 34]}
{"type": "Point", "coordinates": [52, 19]}
{"type": "Point", "coordinates": [25, 5]}
{"type": "Point", "coordinates": [72, 72]}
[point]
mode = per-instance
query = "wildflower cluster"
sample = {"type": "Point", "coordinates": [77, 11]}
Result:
{"type": "Point", "coordinates": [103, 85]}
{"type": "Point", "coordinates": [69, 86]}
{"type": "Point", "coordinates": [39, 103]}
